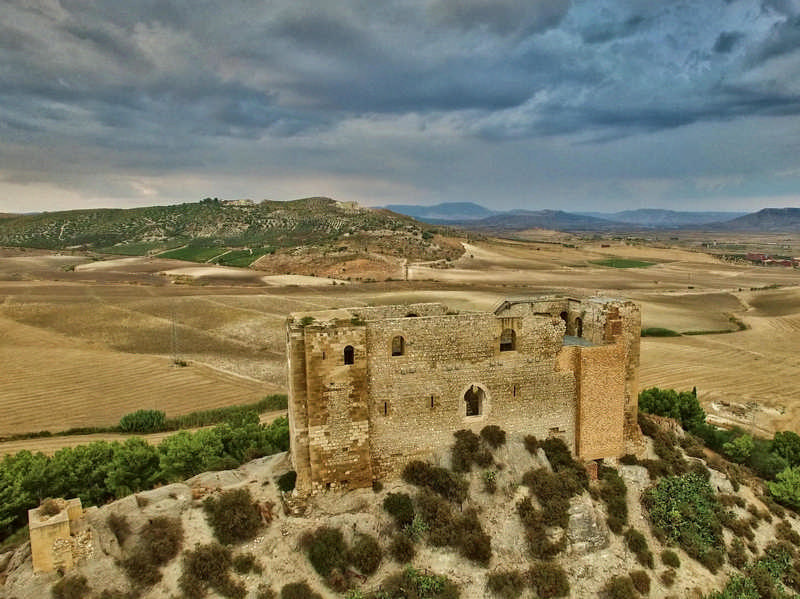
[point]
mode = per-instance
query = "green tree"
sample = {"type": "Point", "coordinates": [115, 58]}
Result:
{"type": "Point", "coordinates": [186, 454]}
{"type": "Point", "coordinates": [787, 445]}
{"type": "Point", "coordinates": [134, 467]}
{"type": "Point", "coordinates": [786, 487]}
{"type": "Point", "coordinates": [740, 448]}
{"type": "Point", "coordinates": [81, 471]}
{"type": "Point", "coordinates": [683, 407]}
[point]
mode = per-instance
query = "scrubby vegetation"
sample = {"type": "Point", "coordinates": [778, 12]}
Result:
{"type": "Point", "coordinates": [100, 471]}
{"type": "Point", "coordinates": [684, 510]}
{"type": "Point", "coordinates": [442, 481]}
{"type": "Point", "coordinates": [233, 515]}
{"type": "Point", "coordinates": [548, 580]}
{"type": "Point", "coordinates": [463, 531]}
{"type": "Point", "coordinates": [71, 587]}
{"type": "Point", "coordinates": [638, 545]}
{"type": "Point", "coordinates": [159, 541]}
{"type": "Point", "coordinates": [401, 508]}
{"type": "Point", "coordinates": [506, 584]}
{"type": "Point", "coordinates": [493, 435]}
{"type": "Point", "coordinates": [330, 556]}
{"type": "Point", "coordinates": [287, 481]}
{"type": "Point", "coordinates": [614, 493]}
{"type": "Point", "coordinates": [413, 584]}
{"type": "Point", "coordinates": [298, 590]}
{"type": "Point", "coordinates": [468, 450]}
{"type": "Point", "coordinates": [208, 567]}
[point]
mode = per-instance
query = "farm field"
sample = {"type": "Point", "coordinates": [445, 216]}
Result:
{"type": "Point", "coordinates": [84, 342]}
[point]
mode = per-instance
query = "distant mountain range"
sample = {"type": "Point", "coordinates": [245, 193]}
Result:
{"type": "Point", "coordinates": [476, 217]}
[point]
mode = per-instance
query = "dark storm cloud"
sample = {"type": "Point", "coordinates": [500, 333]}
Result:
{"type": "Point", "coordinates": [153, 84]}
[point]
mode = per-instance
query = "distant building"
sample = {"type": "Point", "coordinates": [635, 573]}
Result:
{"type": "Point", "coordinates": [372, 388]}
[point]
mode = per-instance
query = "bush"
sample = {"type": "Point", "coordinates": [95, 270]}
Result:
{"type": "Point", "coordinates": [548, 580]}
{"type": "Point", "coordinates": [682, 406]}
{"type": "Point", "coordinates": [684, 510]}
{"type": "Point", "coordinates": [739, 527]}
{"type": "Point", "coordinates": [737, 555]}
{"type": "Point", "coordinates": [402, 549]}
{"type": "Point", "coordinates": [670, 558]}
{"type": "Point", "coordinates": [119, 526]}
{"type": "Point", "coordinates": [436, 479]}
{"type": "Point", "coordinates": [143, 421]}
{"type": "Point", "coordinates": [712, 559]}
{"type": "Point", "coordinates": [731, 500]}
{"type": "Point", "coordinates": [507, 584]}
{"type": "Point", "coordinates": [641, 581]}
{"type": "Point", "coordinates": [561, 460]}
{"type": "Point", "coordinates": [553, 490]}
{"type": "Point", "coordinates": [493, 435]}
{"type": "Point", "coordinates": [233, 515]}
{"type": "Point", "coordinates": [413, 584]}
{"type": "Point", "coordinates": [246, 562]}
{"type": "Point", "coordinates": [208, 567]}
{"type": "Point", "coordinates": [638, 545]}
{"type": "Point", "coordinates": [785, 532]}
{"type": "Point", "coordinates": [326, 550]}
{"type": "Point", "coordinates": [619, 587]}
{"type": "Point", "coordinates": [463, 532]}
{"type": "Point", "coordinates": [49, 507]}
{"type": "Point", "coordinates": [400, 507]}
{"type": "Point", "coordinates": [287, 480]}
{"type": "Point", "coordinates": [531, 444]}
{"type": "Point", "coordinates": [159, 541]}
{"type": "Point", "coordinates": [467, 450]}
{"type": "Point", "coordinates": [629, 460]}
{"type": "Point", "coordinates": [613, 492]}
{"type": "Point", "coordinates": [365, 554]}
{"type": "Point", "coordinates": [668, 577]}
{"type": "Point", "coordinates": [71, 587]}
{"type": "Point", "coordinates": [539, 544]}
{"type": "Point", "coordinates": [298, 590]}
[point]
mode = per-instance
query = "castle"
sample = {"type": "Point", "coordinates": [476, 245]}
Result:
{"type": "Point", "coordinates": [371, 388]}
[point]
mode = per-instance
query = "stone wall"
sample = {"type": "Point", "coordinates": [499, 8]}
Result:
{"type": "Point", "coordinates": [51, 536]}
{"type": "Point", "coordinates": [372, 388]}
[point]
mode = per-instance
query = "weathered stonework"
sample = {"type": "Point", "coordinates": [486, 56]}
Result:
{"type": "Point", "coordinates": [51, 536]}
{"type": "Point", "coordinates": [372, 388]}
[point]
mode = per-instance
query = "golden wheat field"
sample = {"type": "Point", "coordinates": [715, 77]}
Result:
{"type": "Point", "coordinates": [83, 342]}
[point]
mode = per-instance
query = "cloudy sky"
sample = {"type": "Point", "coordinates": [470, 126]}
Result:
{"type": "Point", "coordinates": [582, 104]}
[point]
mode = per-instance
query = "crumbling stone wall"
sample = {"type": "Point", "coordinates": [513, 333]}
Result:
{"type": "Point", "coordinates": [372, 388]}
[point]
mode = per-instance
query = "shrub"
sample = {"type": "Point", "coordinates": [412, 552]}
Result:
{"type": "Point", "coordinates": [531, 444]}
{"type": "Point", "coordinates": [467, 450]}
{"type": "Point", "coordinates": [490, 481]}
{"type": "Point", "coordinates": [246, 562]}
{"type": "Point", "coordinates": [298, 590]}
{"type": "Point", "coordinates": [668, 577]}
{"type": "Point", "coordinates": [684, 510]}
{"type": "Point", "coordinates": [786, 487]}
{"type": "Point", "coordinates": [265, 591]}
{"type": "Point", "coordinates": [670, 558]}
{"type": "Point", "coordinates": [473, 542]}
{"type": "Point", "coordinates": [619, 587]}
{"type": "Point", "coordinates": [561, 460]}
{"type": "Point", "coordinates": [553, 490]}
{"type": "Point", "coordinates": [287, 480]}
{"type": "Point", "coordinates": [739, 449]}
{"type": "Point", "coordinates": [402, 549]}
{"type": "Point", "coordinates": [629, 460]}
{"type": "Point", "coordinates": [326, 550]}
{"type": "Point", "coordinates": [161, 538]}
{"type": "Point", "coordinates": [712, 559]}
{"type": "Point", "coordinates": [400, 507]}
{"type": "Point", "coordinates": [143, 421]}
{"type": "Point", "coordinates": [49, 507]}
{"type": "Point", "coordinates": [638, 545]}
{"type": "Point", "coordinates": [463, 532]}
{"type": "Point", "coordinates": [233, 515]}
{"type": "Point", "coordinates": [548, 580]}
{"type": "Point", "coordinates": [785, 532]}
{"type": "Point", "coordinates": [731, 500]}
{"type": "Point", "coordinates": [413, 584]}
{"type": "Point", "coordinates": [116, 594]}
{"type": "Point", "coordinates": [507, 584]}
{"type": "Point", "coordinates": [159, 541]}
{"type": "Point", "coordinates": [119, 527]}
{"type": "Point", "coordinates": [493, 435]}
{"type": "Point", "coordinates": [682, 406]}
{"type": "Point", "coordinates": [377, 486]}
{"type": "Point", "coordinates": [737, 555]}
{"type": "Point", "coordinates": [71, 587]}
{"type": "Point", "coordinates": [437, 479]}
{"type": "Point", "coordinates": [613, 492]}
{"type": "Point", "coordinates": [641, 581]}
{"type": "Point", "coordinates": [365, 554]}
{"type": "Point", "coordinates": [208, 567]}
{"type": "Point", "coordinates": [739, 527]}
{"type": "Point", "coordinates": [539, 544]}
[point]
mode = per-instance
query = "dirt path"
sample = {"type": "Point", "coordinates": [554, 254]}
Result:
{"type": "Point", "coordinates": [50, 445]}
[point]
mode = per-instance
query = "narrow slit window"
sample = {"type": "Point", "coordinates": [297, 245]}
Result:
{"type": "Point", "coordinates": [386, 408]}
{"type": "Point", "coordinates": [432, 398]}
{"type": "Point", "coordinates": [323, 355]}
{"type": "Point", "coordinates": [513, 390]}
{"type": "Point", "coordinates": [349, 354]}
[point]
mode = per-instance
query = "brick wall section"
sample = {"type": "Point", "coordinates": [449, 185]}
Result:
{"type": "Point", "coordinates": [353, 423]}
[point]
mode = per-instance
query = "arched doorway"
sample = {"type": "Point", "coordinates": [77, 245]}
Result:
{"type": "Point", "coordinates": [508, 340]}
{"type": "Point", "coordinates": [474, 400]}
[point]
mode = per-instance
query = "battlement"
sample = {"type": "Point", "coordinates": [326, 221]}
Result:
{"type": "Point", "coordinates": [372, 388]}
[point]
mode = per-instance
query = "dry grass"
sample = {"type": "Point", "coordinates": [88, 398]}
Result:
{"type": "Point", "coordinates": [84, 347]}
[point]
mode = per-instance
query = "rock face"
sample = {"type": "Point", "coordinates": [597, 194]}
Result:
{"type": "Point", "coordinates": [587, 530]}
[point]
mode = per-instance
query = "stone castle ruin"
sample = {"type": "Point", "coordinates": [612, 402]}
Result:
{"type": "Point", "coordinates": [371, 388]}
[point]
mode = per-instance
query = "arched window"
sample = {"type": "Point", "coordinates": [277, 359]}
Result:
{"type": "Point", "coordinates": [579, 327]}
{"type": "Point", "coordinates": [349, 354]}
{"type": "Point", "coordinates": [508, 340]}
{"type": "Point", "coordinates": [564, 318]}
{"type": "Point", "coordinates": [473, 399]}
{"type": "Point", "coordinates": [412, 315]}
{"type": "Point", "coordinates": [398, 346]}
